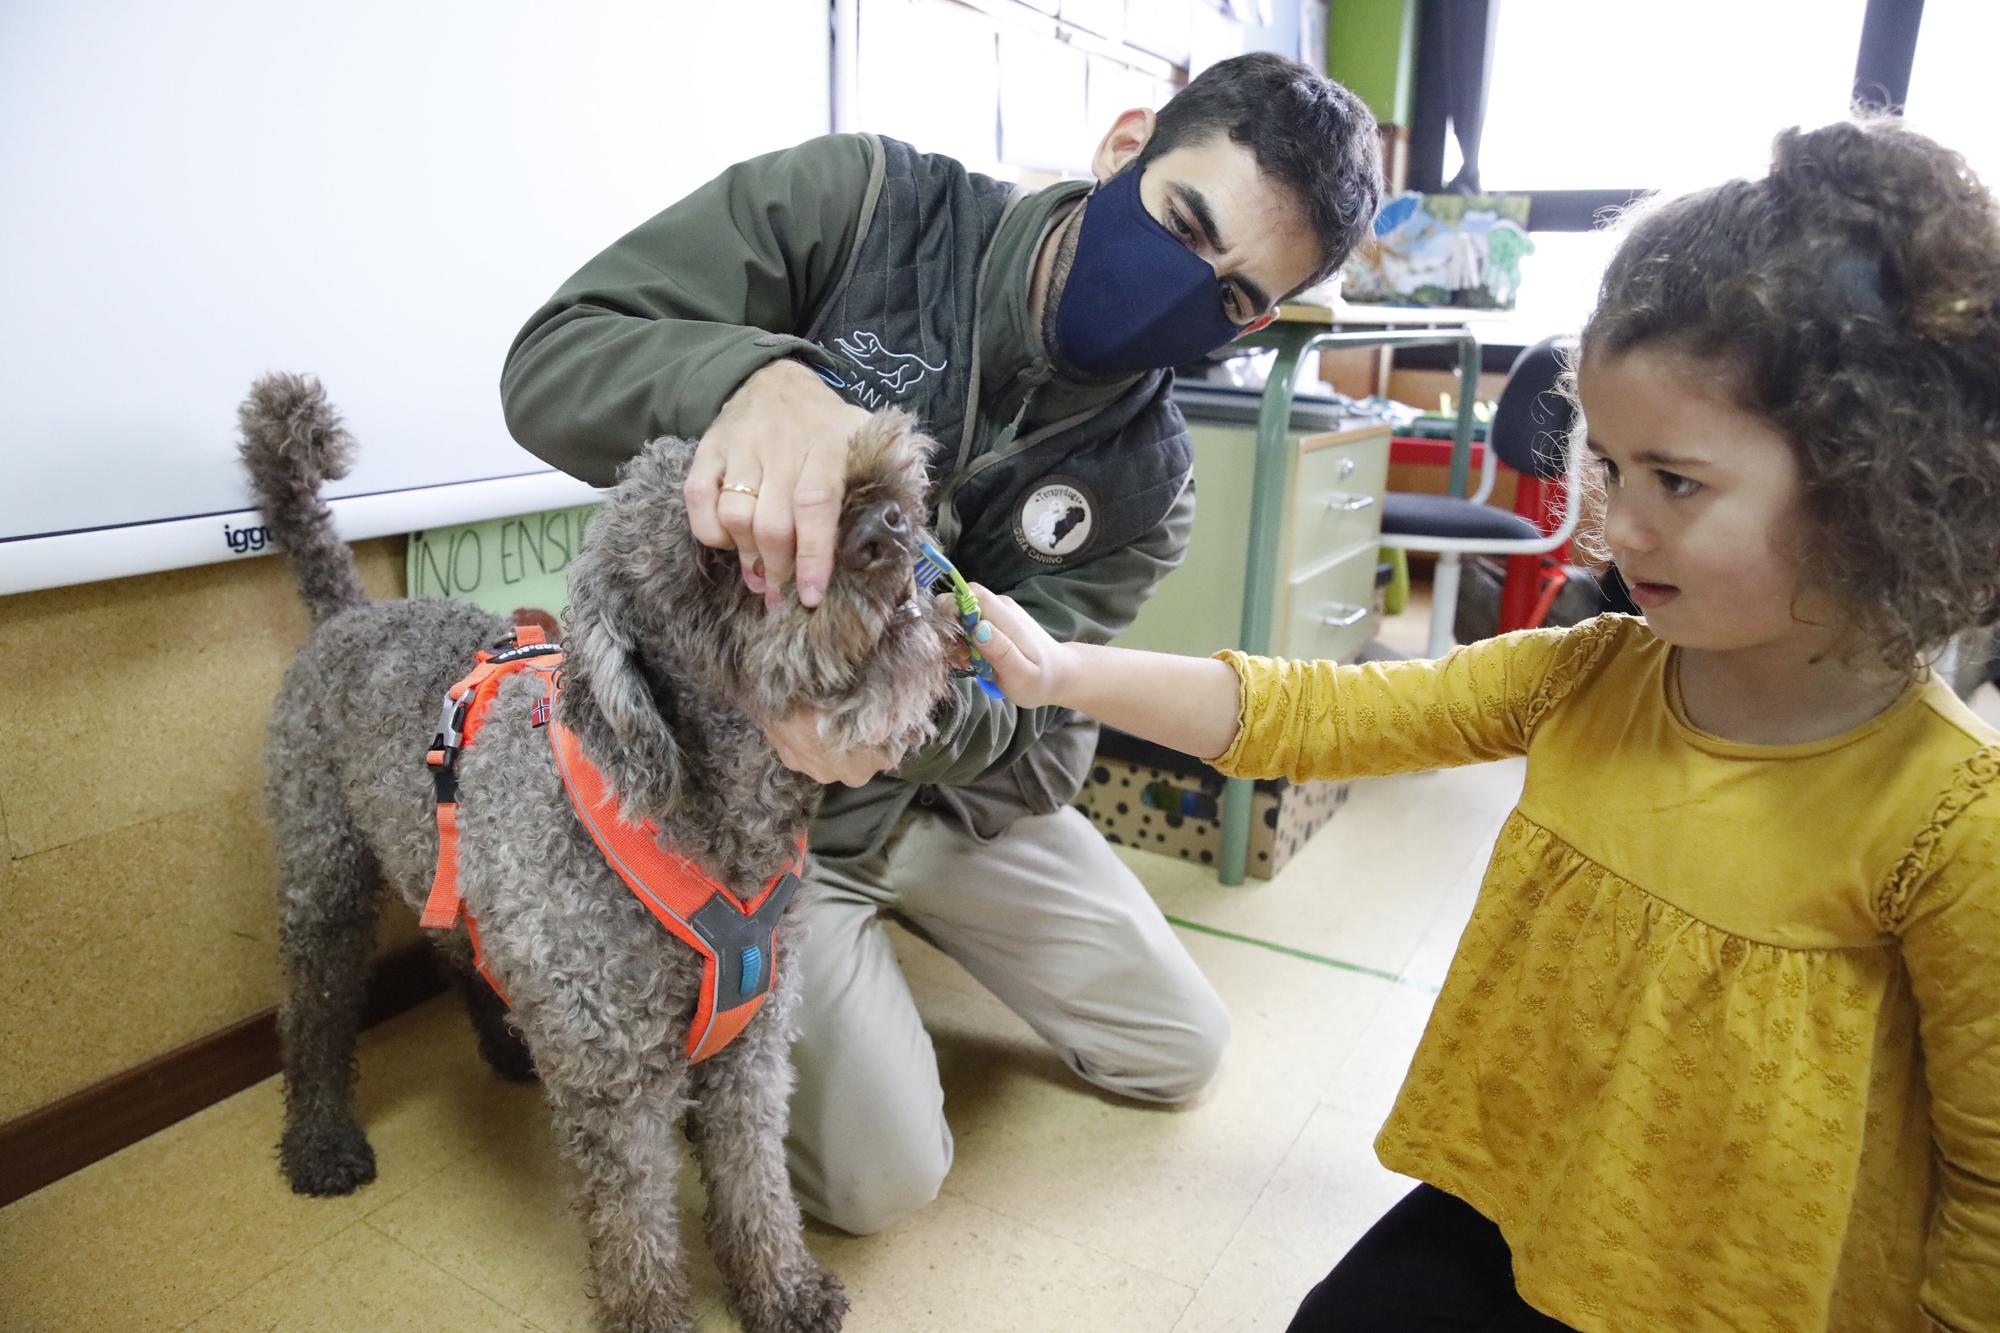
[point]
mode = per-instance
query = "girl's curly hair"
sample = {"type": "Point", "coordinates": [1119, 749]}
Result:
{"type": "Point", "coordinates": [1853, 297]}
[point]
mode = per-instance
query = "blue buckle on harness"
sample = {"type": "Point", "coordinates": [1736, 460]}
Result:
{"type": "Point", "coordinates": [753, 969]}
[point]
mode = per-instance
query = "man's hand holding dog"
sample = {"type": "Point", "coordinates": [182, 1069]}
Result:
{"type": "Point", "coordinates": [768, 477]}
{"type": "Point", "coordinates": [797, 740]}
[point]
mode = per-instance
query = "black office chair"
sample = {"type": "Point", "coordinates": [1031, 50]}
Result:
{"type": "Point", "coordinates": [1529, 433]}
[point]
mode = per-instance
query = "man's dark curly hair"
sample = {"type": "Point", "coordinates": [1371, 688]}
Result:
{"type": "Point", "coordinates": [1306, 132]}
{"type": "Point", "coordinates": [1852, 297]}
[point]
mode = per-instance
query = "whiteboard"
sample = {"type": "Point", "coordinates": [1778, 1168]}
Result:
{"type": "Point", "coordinates": [376, 193]}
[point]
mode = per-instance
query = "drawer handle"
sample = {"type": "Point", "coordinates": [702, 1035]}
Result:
{"type": "Point", "coordinates": [1349, 614]}
{"type": "Point", "coordinates": [1341, 502]}
{"type": "Point", "coordinates": [1346, 469]}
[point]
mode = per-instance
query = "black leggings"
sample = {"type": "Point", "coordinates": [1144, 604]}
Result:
{"type": "Point", "coordinates": [1431, 1263]}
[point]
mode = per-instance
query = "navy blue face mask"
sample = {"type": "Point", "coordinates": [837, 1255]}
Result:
{"type": "Point", "coordinates": [1136, 298]}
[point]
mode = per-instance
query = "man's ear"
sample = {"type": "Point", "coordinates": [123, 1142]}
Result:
{"type": "Point", "coordinates": [1122, 142]}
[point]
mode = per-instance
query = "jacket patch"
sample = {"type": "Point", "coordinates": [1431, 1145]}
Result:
{"type": "Point", "coordinates": [880, 377]}
{"type": "Point", "coordinates": [1055, 520]}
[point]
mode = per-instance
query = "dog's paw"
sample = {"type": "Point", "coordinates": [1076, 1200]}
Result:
{"type": "Point", "coordinates": [326, 1159]}
{"type": "Point", "coordinates": [815, 1303]}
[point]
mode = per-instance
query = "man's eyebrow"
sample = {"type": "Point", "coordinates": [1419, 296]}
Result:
{"type": "Point", "coordinates": [1196, 204]}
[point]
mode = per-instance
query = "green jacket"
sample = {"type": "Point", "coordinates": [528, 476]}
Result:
{"type": "Point", "coordinates": [653, 335]}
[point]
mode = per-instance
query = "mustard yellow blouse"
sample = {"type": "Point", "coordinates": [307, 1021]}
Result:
{"type": "Point", "coordinates": [1720, 1047]}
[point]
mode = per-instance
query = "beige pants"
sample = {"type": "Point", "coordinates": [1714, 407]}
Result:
{"type": "Point", "coordinates": [1050, 921]}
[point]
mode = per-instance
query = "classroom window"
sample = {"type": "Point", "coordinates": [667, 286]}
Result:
{"type": "Point", "coordinates": [1589, 103]}
{"type": "Point", "coordinates": [1558, 285]}
{"type": "Point", "coordinates": [1589, 96]}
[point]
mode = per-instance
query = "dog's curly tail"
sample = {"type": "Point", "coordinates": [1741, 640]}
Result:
{"type": "Point", "coordinates": [293, 440]}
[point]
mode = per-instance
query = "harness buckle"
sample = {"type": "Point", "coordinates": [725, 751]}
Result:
{"type": "Point", "coordinates": [450, 719]}
{"type": "Point", "coordinates": [445, 746]}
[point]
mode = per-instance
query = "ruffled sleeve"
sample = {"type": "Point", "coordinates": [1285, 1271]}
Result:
{"type": "Point", "coordinates": [1945, 904]}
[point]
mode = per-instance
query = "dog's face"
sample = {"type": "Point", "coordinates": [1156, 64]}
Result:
{"type": "Point", "coordinates": [659, 621]}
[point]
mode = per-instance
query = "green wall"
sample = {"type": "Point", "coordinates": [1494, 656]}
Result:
{"type": "Point", "coordinates": [1371, 47]}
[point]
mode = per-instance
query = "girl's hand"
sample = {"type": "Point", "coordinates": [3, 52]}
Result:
{"type": "Point", "coordinates": [1031, 668]}
{"type": "Point", "coordinates": [1188, 703]}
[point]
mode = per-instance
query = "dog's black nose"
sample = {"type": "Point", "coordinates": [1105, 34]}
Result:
{"type": "Point", "coordinates": [878, 536]}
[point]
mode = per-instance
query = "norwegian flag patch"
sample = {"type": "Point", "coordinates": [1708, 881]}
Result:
{"type": "Point", "coordinates": [539, 714]}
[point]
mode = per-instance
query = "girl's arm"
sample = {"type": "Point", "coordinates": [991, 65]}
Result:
{"type": "Point", "coordinates": [1258, 717]}
{"type": "Point", "coordinates": [1951, 946]}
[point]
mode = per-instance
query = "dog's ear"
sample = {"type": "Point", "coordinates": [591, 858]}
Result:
{"type": "Point", "coordinates": [606, 700]}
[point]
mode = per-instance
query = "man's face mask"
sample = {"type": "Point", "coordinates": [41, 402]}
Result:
{"type": "Point", "coordinates": [1136, 298]}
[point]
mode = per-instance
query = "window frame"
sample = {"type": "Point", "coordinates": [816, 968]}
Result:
{"type": "Point", "coordinates": [1886, 52]}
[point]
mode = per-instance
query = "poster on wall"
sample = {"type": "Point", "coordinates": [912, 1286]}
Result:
{"type": "Point", "coordinates": [1461, 250]}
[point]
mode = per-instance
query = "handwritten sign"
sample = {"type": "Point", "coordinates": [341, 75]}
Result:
{"type": "Point", "coordinates": [502, 563]}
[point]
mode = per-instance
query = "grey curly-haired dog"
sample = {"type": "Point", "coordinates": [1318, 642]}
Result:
{"type": "Point", "coordinates": [671, 666]}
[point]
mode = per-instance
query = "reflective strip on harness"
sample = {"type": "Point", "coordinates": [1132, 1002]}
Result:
{"type": "Point", "coordinates": [737, 940]}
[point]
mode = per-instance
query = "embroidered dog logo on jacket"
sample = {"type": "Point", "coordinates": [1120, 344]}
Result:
{"type": "Point", "coordinates": [885, 377]}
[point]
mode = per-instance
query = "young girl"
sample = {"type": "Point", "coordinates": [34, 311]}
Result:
{"type": "Point", "coordinates": [1720, 1047]}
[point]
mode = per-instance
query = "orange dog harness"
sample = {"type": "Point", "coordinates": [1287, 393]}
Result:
{"type": "Point", "coordinates": [736, 938]}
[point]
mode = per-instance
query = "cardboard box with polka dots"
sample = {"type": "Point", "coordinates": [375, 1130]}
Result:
{"type": "Point", "coordinates": [1143, 796]}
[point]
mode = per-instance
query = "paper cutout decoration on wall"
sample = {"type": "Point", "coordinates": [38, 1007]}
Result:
{"type": "Point", "coordinates": [1443, 249]}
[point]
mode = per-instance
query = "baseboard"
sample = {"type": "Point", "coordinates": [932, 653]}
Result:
{"type": "Point", "coordinates": [45, 1145]}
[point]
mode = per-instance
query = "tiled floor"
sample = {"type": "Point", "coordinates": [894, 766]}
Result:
{"type": "Point", "coordinates": [1065, 1209]}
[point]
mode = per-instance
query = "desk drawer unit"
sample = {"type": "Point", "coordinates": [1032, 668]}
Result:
{"type": "Point", "coordinates": [1324, 608]}
{"type": "Point", "coordinates": [1327, 612]}
{"type": "Point", "coordinates": [1336, 506]}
